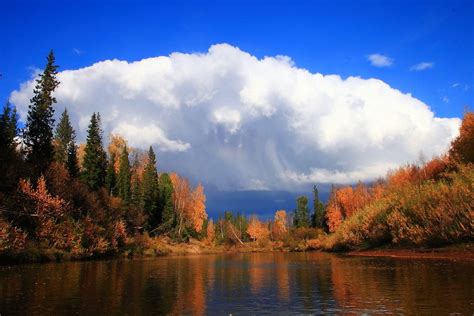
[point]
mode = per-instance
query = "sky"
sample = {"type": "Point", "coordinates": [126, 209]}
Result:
{"type": "Point", "coordinates": [259, 100]}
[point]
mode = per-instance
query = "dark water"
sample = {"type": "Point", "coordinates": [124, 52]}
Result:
{"type": "Point", "coordinates": [279, 283]}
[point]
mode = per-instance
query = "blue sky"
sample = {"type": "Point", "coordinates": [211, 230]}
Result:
{"type": "Point", "coordinates": [327, 37]}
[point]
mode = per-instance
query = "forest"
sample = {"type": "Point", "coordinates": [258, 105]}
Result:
{"type": "Point", "coordinates": [62, 200]}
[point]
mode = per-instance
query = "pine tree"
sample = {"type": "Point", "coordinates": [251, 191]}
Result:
{"type": "Point", "coordinates": [8, 144]}
{"type": "Point", "coordinates": [150, 191]}
{"type": "Point", "coordinates": [302, 213]}
{"type": "Point", "coordinates": [95, 159]}
{"type": "Point", "coordinates": [72, 163]}
{"type": "Point", "coordinates": [165, 206]}
{"type": "Point", "coordinates": [124, 177]}
{"type": "Point", "coordinates": [40, 122]}
{"type": "Point", "coordinates": [64, 135]}
{"type": "Point", "coordinates": [111, 177]}
{"type": "Point", "coordinates": [318, 209]}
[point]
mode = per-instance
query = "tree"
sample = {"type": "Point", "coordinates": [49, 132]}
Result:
{"type": "Point", "coordinates": [72, 163]}
{"type": "Point", "coordinates": [210, 231]}
{"type": "Point", "coordinates": [8, 144]}
{"type": "Point", "coordinates": [124, 177]}
{"type": "Point", "coordinates": [165, 205]}
{"type": "Point", "coordinates": [111, 176]}
{"type": "Point", "coordinates": [150, 190]}
{"type": "Point", "coordinates": [64, 135]}
{"type": "Point", "coordinates": [280, 224]}
{"type": "Point", "coordinates": [196, 210]}
{"type": "Point", "coordinates": [318, 209]}
{"type": "Point", "coordinates": [302, 212]}
{"type": "Point", "coordinates": [462, 148]}
{"type": "Point", "coordinates": [95, 159]}
{"type": "Point", "coordinates": [40, 122]}
{"type": "Point", "coordinates": [257, 230]}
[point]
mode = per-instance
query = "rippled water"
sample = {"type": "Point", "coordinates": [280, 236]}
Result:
{"type": "Point", "coordinates": [272, 283]}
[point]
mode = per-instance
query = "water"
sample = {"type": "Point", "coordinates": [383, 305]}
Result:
{"type": "Point", "coordinates": [240, 284]}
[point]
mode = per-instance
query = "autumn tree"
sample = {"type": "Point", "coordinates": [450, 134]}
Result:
{"type": "Point", "coordinates": [301, 218]}
{"type": "Point", "coordinates": [95, 158]}
{"type": "Point", "coordinates": [150, 190]}
{"type": "Point", "coordinates": [318, 209]}
{"type": "Point", "coordinates": [280, 224]}
{"type": "Point", "coordinates": [196, 211]}
{"type": "Point", "coordinates": [210, 231]}
{"type": "Point", "coordinates": [124, 177]}
{"type": "Point", "coordinates": [38, 134]}
{"type": "Point", "coordinates": [462, 148]}
{"type": "Point", "coordinates": [257, 230]}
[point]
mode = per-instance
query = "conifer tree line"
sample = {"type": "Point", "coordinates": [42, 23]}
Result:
{"type": "Point", "coordinates": [83, 198]}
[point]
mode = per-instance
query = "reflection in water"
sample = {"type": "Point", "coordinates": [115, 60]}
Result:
{"type": "Point", "coordinates": [239, 284]}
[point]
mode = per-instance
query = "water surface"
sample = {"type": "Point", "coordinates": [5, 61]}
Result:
{"type": "Point", "coordinates": [240, 284]}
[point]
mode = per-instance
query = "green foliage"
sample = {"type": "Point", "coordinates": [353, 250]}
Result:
{"type": "Point", "coordinates": [63, 137]}
{"type": "Point", "coordinates": [111, 176]}
{"type": "Point", "coordinates": [95, 159]}
{"type": "Point", "coordinates": [124, 177]}
{"type": "Point", "coordinates": [302, 212]}
{"type": "Point", "coordinates": [8, 144]}
{"type": "Point", "coordinates": [318, 209]}
{"type": "Point", "coordinates": [72, 163]}
{"type": "Point", "coordinates": [165, 206]}
{"type": "Point", "coordinates": [40, 122]}
{"type": "Point", "coordinates": [150, 191]}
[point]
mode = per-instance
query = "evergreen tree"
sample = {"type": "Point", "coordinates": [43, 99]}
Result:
{"type": "Point", "coordinates": [318, 209]}
{"type": "Point", "coordinates": [40, 122]}
{"type": "Point", "coordinates": [64, 135]}
{"type": "Point", "coordinates": [124, 177]}
{"type": "Point", "coordinates": [8, 144]}
{"type": "Point", "coordinates": [111, 177]}
{"type": "Point", "coordinates": [72, 164]}
{"type": "Point", "coordinates": [150, 191]}
{"type": "Point", "coordinates": [302, 212]}
{"type": "Point", "coordinates": [95, 159]}
{"type": "Point", "coordinates": [165, 206]}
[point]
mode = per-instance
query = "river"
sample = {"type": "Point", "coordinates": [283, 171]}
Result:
{"type": "Point", "coordinates": [240, 284]}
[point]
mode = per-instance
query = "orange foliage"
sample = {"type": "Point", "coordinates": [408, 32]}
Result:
{"type": "Point", "coordinates": [210, 232]}
{"type": "Point", "coordinates": [81, 150]}
{"type": "Point", "coordinates": [280, 224]}
{"type": "Point", "coordinates": [345, 202]}
{"type": "Point", "coordinates": [462, 148]}
{"type": "Point", "coordinates": [11, 238]}
{"type": "Point", "coordinates": [116, 146]}
{"type": "Point", "coordinates": [189, 204]}
{"type": "Point", "coordinates": [257, 230]}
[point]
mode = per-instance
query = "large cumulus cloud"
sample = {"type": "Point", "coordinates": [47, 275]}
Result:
{"type": "Point", "coordinates": [235, 121]}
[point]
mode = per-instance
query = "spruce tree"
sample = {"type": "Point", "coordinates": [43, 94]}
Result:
{"type": "Point", "coordinates": [150, 191]}
{"type": "Point", "coordinates": [72, 163]}
{"type": "Point", "coordinates": [302, 213]}
{"type": "Point", "coordinates": [318, 209]}
{"type": "Point", "coordinates": [64, 135]}
{"type": "Point", "coordinates": [40, 122]}
{"type": "Point", "coordinates": [111, 177]}
{"type": "Point", "coordinates": [165, 206]}
{"type": "Point", "coordinates": [124, 177]}
{"type": "Point", "coordinates": [8, 144]}
{"type": "Point", "coordinates": [95, 159]}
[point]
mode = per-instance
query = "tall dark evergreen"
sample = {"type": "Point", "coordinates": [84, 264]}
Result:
{"type": "Point", "coordinates": [124, 177]}
{"type": "Point", "coordinates": [8, 144]}
{"type": "Point", "coordinates": [165, 206]}
{"type": "Point", "coordinates": [95, 158]}
{"type": "Point", "coordinates": [39, 124]}
{"type": "Point", "coordinates": [150, 190]}
{"type": "Point", "coordinates": [111, 177]}
{"type": "Point", "coordinates": [72, 163]}
{"type": "Point", "coordinates": [302, 212]}
{"type": "Point", "coordinates": [318, 209]}
{"type": "Point", "coordinates": [63, 136]}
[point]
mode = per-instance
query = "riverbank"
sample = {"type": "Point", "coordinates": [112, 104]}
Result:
{"type": "Point", "coordinates": [453, 252]}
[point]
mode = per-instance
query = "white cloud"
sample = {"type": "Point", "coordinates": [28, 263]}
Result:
{"type": "Point", "coordinates": [445, 99]}
{"type": "Point", "coordinates": [379, 60]}
{"type": "Point", "coordinates": [422, 66]}
{"type": "Point", "coordinates": [455, 85]}
{"type": "Point", "coordinates": [235, 121]}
